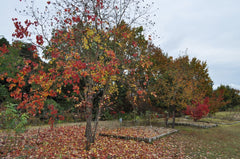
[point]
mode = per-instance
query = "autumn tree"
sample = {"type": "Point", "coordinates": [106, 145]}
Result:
{"type": "Point", "coordinates": [201, 77]}
{"type": "Point", "coordinates": [131, 47]}
{"type": "Point", "coordinates": [178, 82]}
{"type": "Point", "coordinates": [216, 101]}
{"type": "Point", "coordinates": [230, 96]}
{"type": "Point", "coordinates": [12, 62]}
{"type": "Point", "coordinates": [172, 86]}
{"type": "Point", "coordinates": [74, 37]}
{"type": "Point", "coordinates": [8, 65]}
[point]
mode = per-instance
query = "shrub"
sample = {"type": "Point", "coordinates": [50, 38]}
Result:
{"type": "Point", "coordinates": [12, 119]}
{"type": "Point", "coordinates": [107, 115]}
{"type": "Point", "coordinates": [198, 109]}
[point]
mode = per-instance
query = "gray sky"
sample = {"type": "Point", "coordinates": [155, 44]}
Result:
{"type": "Point", "coordinates": [208, 30]}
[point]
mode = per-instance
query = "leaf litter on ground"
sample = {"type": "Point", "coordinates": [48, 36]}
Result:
{"type": "Point", "coordinates": [69, 142]}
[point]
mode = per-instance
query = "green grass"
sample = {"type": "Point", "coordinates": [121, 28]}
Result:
{"type": "Point", "coordinates": [228, 115]}
{"type": "Point", "coordinates": [217, 121]}
{"type": "Point", "coordinates": [218, 142]}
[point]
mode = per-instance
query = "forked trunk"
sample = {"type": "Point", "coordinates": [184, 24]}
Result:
{"type": "Point", "coordinates": [90, 132]}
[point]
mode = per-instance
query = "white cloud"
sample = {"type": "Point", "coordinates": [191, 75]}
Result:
{"type": "Point", "coordinates": [235, 86]}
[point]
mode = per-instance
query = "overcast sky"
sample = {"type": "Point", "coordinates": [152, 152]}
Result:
{"type": "Point", "coordinates": [206, 29]}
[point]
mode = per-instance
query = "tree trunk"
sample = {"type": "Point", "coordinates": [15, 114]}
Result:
{"type": "Point", "coordinates": [88, 131]}
{"type": "Point", "coordinates": [173, 122]}
{"type": "Point", "coordinates": [96, 123]}
{"type": "Point", "coordinates": [166, 119]}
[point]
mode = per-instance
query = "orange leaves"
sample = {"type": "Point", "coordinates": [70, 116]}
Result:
{"type": "Point", "coordinates": [2, 76]}
{"type": "Point", "coordinates": [3, 50]}
{"type": "Point", "coordinates": [16, 94]}
{"type": "Point", "coordinates": [11, 86]}
{"type": "Point", "coordinates": [139, 92]}
{"type": "Point", "coordinates": [110, 53]}
{"type": "Point", "coordinates": [26, 69]}
{"type": "Point", "coordinates": [21, 84]}
{"type": "Point", "coordinates": [84, 73]}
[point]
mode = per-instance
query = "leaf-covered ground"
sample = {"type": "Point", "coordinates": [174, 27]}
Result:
{"type": "Point", "coordinates": [138, 131]}
{"type": "Point", "coordinates": [69, 142]}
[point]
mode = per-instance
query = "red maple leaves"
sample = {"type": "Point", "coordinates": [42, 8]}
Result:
{"type": "Point", "coordinates": [3, 50]}
{"type": "Point", "coordinates": [39, 39]}
{"type": "Point", "coordinates": [20, 30]}
{"type": "Point", "coordinates": [198, 110]}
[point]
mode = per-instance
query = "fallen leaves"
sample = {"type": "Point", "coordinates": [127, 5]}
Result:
{"type": "Point", "coordinates": [69, 142]}
{"type": "Point", "coordinates": [140, 131]}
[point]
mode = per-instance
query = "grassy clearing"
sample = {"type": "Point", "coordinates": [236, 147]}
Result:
{"type": "Point", "coordinates": [219, 142]}
{"type": "Point", "coordinates": [228, 115]}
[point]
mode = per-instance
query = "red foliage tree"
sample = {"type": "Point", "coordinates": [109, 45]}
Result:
{"type": "Point", "coordinates": [198, 109]}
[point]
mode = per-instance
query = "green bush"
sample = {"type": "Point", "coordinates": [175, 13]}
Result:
{"type": "Point", "coordinates": [106, 115]}
{"type": "Point", "coordinates": [3, 92]}
{"type": "Point", "coordinates": [11, 119]}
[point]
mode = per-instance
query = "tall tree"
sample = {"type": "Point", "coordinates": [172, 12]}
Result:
{"type": "Point", "coordinates": [230, 97]}
{"type": "Point", "coordinates": [178, 82]}
{"type": "Point", "coordinates": [79, 55]}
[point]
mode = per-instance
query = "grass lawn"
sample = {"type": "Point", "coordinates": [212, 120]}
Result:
{"type": "Point", "coordinates": [218, 142]}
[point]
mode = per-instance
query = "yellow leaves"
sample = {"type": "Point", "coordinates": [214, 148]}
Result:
{"type": "Point", "coordinates": [120, 45]}
{"type": "Point", "coordinates": [103, 81]}
{"type": "Point", "coordinates": [91, 36]}
{"type": "Point", "coordinates": [101, 58]}
{"type": "Point", "coordinates": [113, 78]}
{"type": "Point", "coordinates": [53, 59]}
{"type": "Point", "coordinates": [90, 32]}
{"type": "Point", "coordinates": [85, 43]}
{"type": "Point", "coordinates": [59, 90]}
{"type": "Point", "coordinates": [97, 39]}
{"type": "Point", "coordinates": [96, 88]}
{"type": "Point", "coordinates": [113, 88]}
{"type": "Point", "coordinates": [133, 85]}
